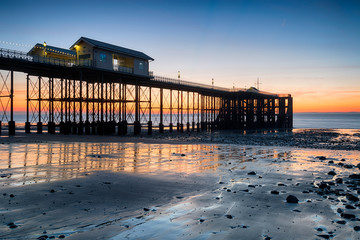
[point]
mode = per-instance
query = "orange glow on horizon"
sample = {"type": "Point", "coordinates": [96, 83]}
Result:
{"type": "Point", "coordinates": [302, 103]}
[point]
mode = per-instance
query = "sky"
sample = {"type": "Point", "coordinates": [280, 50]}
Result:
{"type": "Point", "coordinates": [309, 49]}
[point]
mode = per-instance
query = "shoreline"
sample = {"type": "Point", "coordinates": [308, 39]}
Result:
{"type": "Point", "coordinates": [335, 139]}
{"type": "Point", "coordinates": [181, 186]}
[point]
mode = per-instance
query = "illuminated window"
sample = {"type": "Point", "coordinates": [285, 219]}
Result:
{"type": "Point", "coordinates": [102, 57]}
{"type": "Point", "coordinates": [141, 65]}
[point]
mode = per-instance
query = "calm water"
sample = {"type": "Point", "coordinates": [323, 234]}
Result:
{"type": "Point", "coordinates": [327, 120]}
{"type": "Point", "coordinates": [301, 120]}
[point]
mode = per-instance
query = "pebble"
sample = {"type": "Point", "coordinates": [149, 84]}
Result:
{"type": "Point", "coordinates": [229, 216]}
{"type": "Point", "coordinates": [292, 199]}
{"type": "Point", "coordinates": [347, 215]}
{"type": "Point", "coordinates": [321, 157]}
{"type": "Point", "coordinates": [52, 190]}
{"type": "Point", "coordinates": [183, 155]}
{"type": "Point", "coordinates": [274, 192]}
{"type": "Point", "coordinates": [341, 222]}
{"type": "Point", "coordinates": [146, 209]}
{"type": "Point", "coordinates": [332, 173]}
{"type": "Point", "coordinates": [357, 228]}
{"type": "Point", "coordinates": [324, 236]}
{"type": "Point", "coordinates": [252, 173]}
{"type": "Point", "coordinates": [349, 207]}
{"type": "Point", "coordinates": [62, 236]}
{"type": "Point", "coordinates": [12, 225]}
{"type": "Point", "coordinates": [339, 180]}
{"type": "Point", "coordinates": [12, 195]}
{"type": "Point", "coordinates": [351, 197]}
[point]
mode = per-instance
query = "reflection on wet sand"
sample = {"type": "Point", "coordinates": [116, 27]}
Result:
{"type": "Point", "coordinates": [44, 162]}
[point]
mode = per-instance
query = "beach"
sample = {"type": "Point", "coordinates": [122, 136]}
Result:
{"type": "Point", "coordinates": [209, 185]}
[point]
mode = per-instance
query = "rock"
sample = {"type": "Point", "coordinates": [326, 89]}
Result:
{"type": "Point", "coordinates": [339, 210]}
{"type": "Point", "coordinates": [202, 220]}
{"type": "Point", "coordinates": [183, 155]}
{"type": "Point", "coordinates": [43, 237]}
{"type": "Point", "coordinates": [292, 199]}
{"type": "Point", "coordinates": [339, 180]}
{"type": "Point", "coordinates": [229, 216]}
{"type": "Point", "coordinates": [12, 225]}
{"type": "Point", "coordinates": [106, 182]}
{"type": "Point", "coordinates": [319, 230]}
{"type": "Point", "coordinates": [355, 176]}
{"type": "Point", "coordinates": [349, 207]}
{"type": "Point", "coordinates": [221, 182]}
{"type": "Point", "coordinates": [351, 197]}
{"type": "Point", "coordinates": [274, 192]}
{"type": "Point", "coordinates": [357, 228]}
{"type": "Point", "coordinates": [331, 161]}
{"type": "Point", "coordinates": [252, 173]}
{"type": "Point", "coordinates": [332, 173]}
{"type": "Point", "coordinates": [12, 195]}
{"type": "Point", "coordinates": [321, 157]}
{"type": "Point", "coordinates": [62, 236]}
{"type": "Point", "coordinates": [52, 190]}
{"type": "Point", "coordinates": [341, 222]}
{"type": "Point", "coordinates": [323, 185]}
{"type": "Point", "coordinates": [347, 215]}
{"type": "Point", "coordinates": [324, 236]}
{"type": "Point", "coordinates": [146, 209]}
{"type": "Point", "coordinates": [348, 166]}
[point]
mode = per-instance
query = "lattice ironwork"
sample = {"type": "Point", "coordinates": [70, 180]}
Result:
{"type": "Point", "coordinates": [5, 89]}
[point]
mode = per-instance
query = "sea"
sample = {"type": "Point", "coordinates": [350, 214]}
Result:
{"type": "Point", "coordinates": [327, 120]}
{"type": "Point", "coordinates": [301, 120]}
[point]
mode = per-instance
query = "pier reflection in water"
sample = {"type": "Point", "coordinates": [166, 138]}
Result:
{"type": "Point", "coordinates": [22, 164]}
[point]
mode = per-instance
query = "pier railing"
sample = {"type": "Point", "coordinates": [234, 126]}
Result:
{"type": "Point", "coordinates": [8, 53]}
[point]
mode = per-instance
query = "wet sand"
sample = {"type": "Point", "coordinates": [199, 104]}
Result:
{"type": "Point", "coordinates": [179, 188]}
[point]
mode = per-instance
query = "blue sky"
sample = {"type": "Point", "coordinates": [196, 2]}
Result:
{"type": "Point", "coordinates": [292, 46]}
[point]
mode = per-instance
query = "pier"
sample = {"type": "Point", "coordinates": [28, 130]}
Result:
{"type": "Point", "coordinates": [72, 96]}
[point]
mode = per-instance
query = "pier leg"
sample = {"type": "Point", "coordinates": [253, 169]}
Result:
{"type": "Point", "coordinates": [12, 122]}
{"type": "Point", "coordinates": [149, 127]}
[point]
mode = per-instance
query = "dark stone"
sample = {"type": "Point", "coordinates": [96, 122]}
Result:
{"type": "Point", "coordinates": [339, 180]}
{"type": "Point", "coordinates": [12, 225]}
{"type": "Point", "coordinates": [52, 190]}
{"type": "Point", "coordinates": [324, 236]}
{"type": "Point", "coordinates": [292, 199]}
{"type": "Point", "coordinates": [319, 230]}
{"type": "Point", "coordinates": [202, 220]}
{"type": "Point", "coordinates": [183, 155]}
{"type": "Point", "coordinates": [321, 157]}
{"type": "Point", "coordinates": [355, 176]}
{"type": "Point", "coordinates": [332, 173]}
{"type": "Point", "coordinates": [349, 207]}
{"type": "Point", "coordinates": [351, 197]}
{"type": "Point", "coordinates": [347, 215]}
{"type": "Point", "coordinates": [274, 192]}
{"type": "Point", "coordinates": [62, 236]}
{"type": "Point", "coordinates": [146, 209]}
{"type": "Point", "coordinates": [228, 190]}
{"type": "Point", "coordinates": [12, 195]}
{"type": "Point", "coordinates": [357, 228]}
{"type": "Point", "coordinates": [229, 216]}
{"type": "Point", "coordinates": [43, 237]}
{"type": "Point", "coordinates": [331, 161]}
{"type": "Point", "coordinates": [348, 166]}
{"type": "Point", "coordinates": [252, 173]}
{"type": "Point", "coordinates": [323, 185]}
{"type": "Point", "coordinates": [221, 182]}
{"type": "Point", "coordinates": [339, 210]}
{"type": "Point", "coordinates": [341, 222]}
